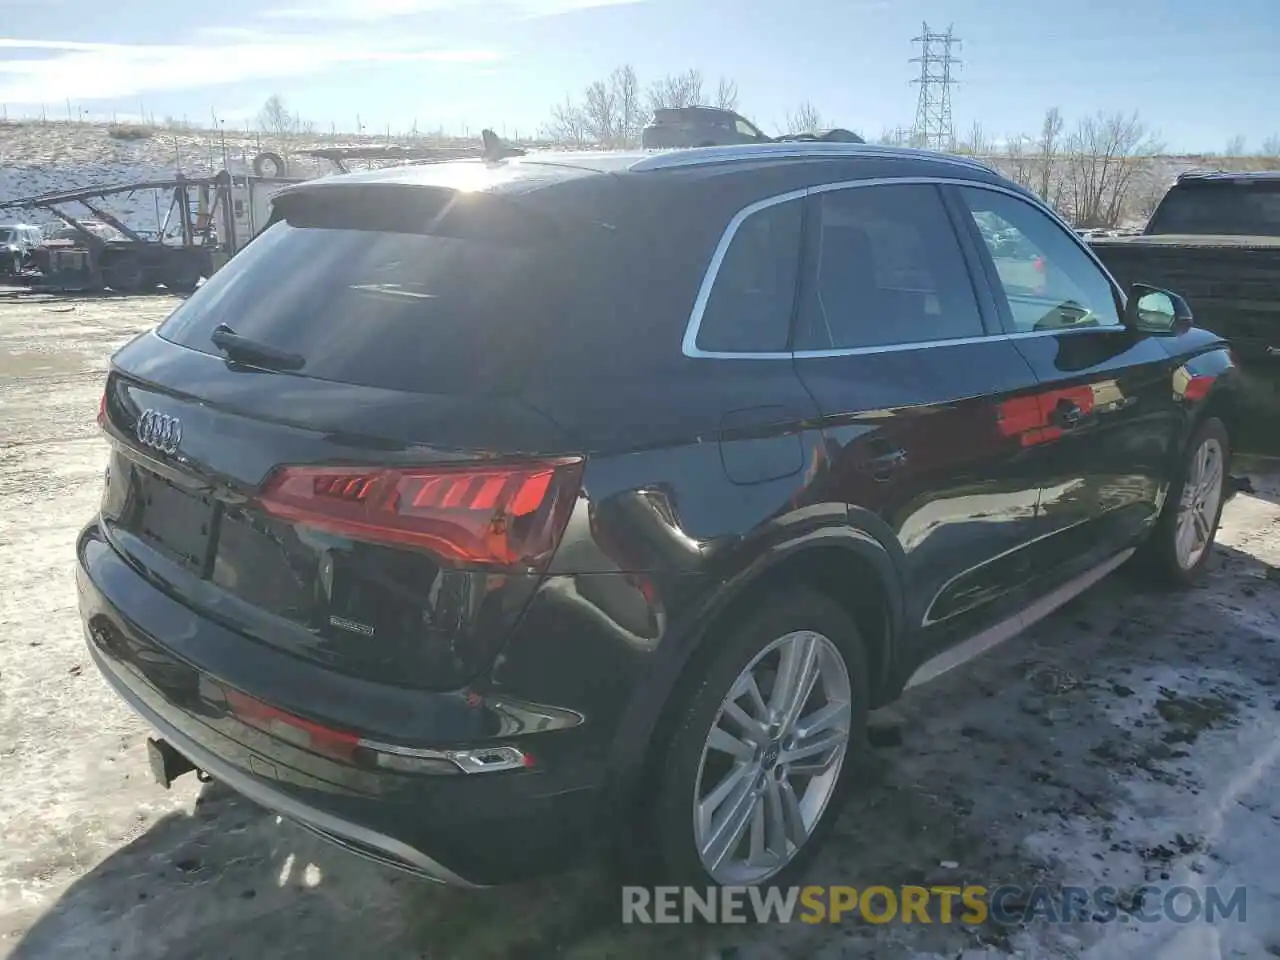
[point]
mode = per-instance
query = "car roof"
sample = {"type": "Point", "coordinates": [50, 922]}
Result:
{"type": "Point", "coordinates": [538, 170]}
{"type": "Point", "coordinates": [695, 110]}
{"type": "Point", "coordinates": [1225, 176]}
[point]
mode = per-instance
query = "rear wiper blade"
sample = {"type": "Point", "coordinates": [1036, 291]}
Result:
{"type": "Point", "coordinates": [247, 350]}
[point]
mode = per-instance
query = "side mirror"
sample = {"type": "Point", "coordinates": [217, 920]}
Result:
{"type": "Point", "coordinates": [1152, 310]}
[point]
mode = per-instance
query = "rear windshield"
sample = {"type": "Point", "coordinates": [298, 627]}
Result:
{"type": "Point", "coordinates": [1248, 209]}
{"type": "Point", "coordinates": [409, 311]}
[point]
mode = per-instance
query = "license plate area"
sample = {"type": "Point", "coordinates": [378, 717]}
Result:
{"type": "Point", "coordinates": [177, 523]}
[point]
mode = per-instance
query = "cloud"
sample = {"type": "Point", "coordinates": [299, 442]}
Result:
{"type": "Point", "coordinates": [85, 71]}
{"type": "Point", "coordinates": [376, 10]}
{"type": "Point", "coordinates": [283, 41]}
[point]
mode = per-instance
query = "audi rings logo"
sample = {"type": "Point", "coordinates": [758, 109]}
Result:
{"type": "Point", "coordinates": [159, 431]}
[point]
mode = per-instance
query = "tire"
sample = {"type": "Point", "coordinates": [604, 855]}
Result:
{"type": "Point", "coordinates": [262, 160]}
{"type": "Point", "coordinates": [125, 274]}
{"type": "Point", "coordinates": [753, 638]}
{"type": "Point", "coordinates": [1164, 561]}
{"type": "Point", "coordinates": [181, 277]}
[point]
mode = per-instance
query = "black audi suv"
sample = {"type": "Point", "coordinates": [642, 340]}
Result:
{"type": "Point", "coordinates": [482, 516]}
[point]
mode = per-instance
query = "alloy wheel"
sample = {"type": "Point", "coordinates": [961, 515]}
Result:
{"type": "Point", "coordinates": [1198, 506]}
{"type": "Point", "coordinates": [772, 758]}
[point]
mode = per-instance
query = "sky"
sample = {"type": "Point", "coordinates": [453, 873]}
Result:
{"type": "Point", "coordinates": [1199, 73]}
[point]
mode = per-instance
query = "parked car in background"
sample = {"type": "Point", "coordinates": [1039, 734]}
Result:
{"type": "Point", "coordinates": [640, 480]}
{"type": "Point", "coordinates": [679, 127]}
{"type": "Point", "coordinates": [699, 127]}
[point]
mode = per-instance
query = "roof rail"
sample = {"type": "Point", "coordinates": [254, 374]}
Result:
{"type": "Point", "coordinates": [705, 156]}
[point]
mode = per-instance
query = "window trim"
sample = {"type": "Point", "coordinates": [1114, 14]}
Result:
{"type": "Point", "coordinates": [689, 345]}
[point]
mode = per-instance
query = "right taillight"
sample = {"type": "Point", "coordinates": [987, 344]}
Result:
{"type": "Point", "coordinates": [500, 515]}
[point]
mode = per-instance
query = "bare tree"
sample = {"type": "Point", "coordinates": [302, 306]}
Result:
{"type": "Point", "coordinates": [613, 111]}
{"type": "Point", "coordinates": [1271, 146]}
{"type": "Point", "coordinates": [630, 108]}
{"type": "Point", "coordinates": [1105, 156]}
{"type": "Point", "coordinates": [976, 143]}
{"type": "Point", "coordinates": [895, 137]}
{"type": "Point", "coordinates": [726, 94]}
{"type": "Point", "coordinates": [676, 90]}
{"type": "Point", "coordinates": [568, 124]}
{"type": "Point", "coordinates": [1021, 162]}
{"type": "Point", "coordinates": [1048, 148]}
{"type": "Point", "coordinates": [275, 119]}
{"type": "Point", "coordinates": [601, 112]}
{"type": "Point", "coordinates": [1235, 146]}
{"type": "Point", "coordinates": [804, 119]}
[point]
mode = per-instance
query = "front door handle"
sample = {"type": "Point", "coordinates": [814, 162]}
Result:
{"type": "Point", "coordinates": [1067, 414]}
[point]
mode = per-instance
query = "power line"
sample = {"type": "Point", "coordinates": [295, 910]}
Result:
{"type": "Point", "coordinates": [934, 129]}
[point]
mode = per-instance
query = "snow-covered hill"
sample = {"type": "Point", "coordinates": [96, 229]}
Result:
{"type": "Point", "coordinates": [46, 157]}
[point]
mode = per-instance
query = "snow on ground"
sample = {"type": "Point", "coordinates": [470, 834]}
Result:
{"type": "Point", "coordinates": [38, 158]}
{"type": "Point", "coordinates": [1129, 739]}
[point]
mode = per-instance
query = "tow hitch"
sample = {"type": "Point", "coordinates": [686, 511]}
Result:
{"type": "Point", "coordinates": [167, 764]}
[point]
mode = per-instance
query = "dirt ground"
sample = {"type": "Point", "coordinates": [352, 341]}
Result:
{"type": "Point", "coordinates": [1134, 737]}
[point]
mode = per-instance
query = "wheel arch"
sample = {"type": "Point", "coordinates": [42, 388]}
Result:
{"type": "Point", "coordinates": [1223, 403]}
{"type": "Point", "coordinates": [1222, 397]}
{"type": "Point", "coordinates": [827, 560]}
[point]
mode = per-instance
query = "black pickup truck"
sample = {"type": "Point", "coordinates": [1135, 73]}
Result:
{"type": "Point", "coordinates": [1215, 239]}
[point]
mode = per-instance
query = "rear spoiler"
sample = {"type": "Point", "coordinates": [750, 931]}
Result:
{"type": "Point", "coordinates": [493, 148]}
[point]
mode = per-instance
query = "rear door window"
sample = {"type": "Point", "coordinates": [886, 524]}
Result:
{"type": "Point", "coordinates": [400, 310]}
{"type": "Point", "coordinates": [887, 269]}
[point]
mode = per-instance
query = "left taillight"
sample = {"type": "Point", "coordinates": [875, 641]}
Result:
{"type": "Point", "coordinates": [102, 409]}
{"type": "Point", "coordinates": [315, 737]}
{"type": "Point", "coordinates": [506, 516]}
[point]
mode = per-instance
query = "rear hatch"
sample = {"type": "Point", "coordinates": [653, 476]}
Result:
{"type": "Point", "coordinates": [325, 448]}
